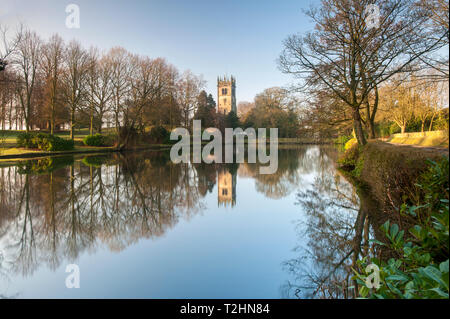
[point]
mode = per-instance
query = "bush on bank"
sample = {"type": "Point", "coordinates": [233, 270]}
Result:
{"type": "Point", "coordinates": [44, 142]}
{"type": "Point", "coordinates": [411, 187]}
{"type": "Point", "coordinates": [159, 135]}
{"type": "Point", "coordinates": [98, 140]}
{"type": "Point", "coordinates": [421, 268]}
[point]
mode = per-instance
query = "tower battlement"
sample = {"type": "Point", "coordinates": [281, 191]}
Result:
{"type": "Point", "coordinates": [226, 95]}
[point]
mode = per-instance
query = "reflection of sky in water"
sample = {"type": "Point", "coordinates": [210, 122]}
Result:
{"type": "Point", "coordinates": [220, 252]}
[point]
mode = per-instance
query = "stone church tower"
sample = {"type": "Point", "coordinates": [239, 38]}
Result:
{"type": "Point", "coordinates": [226, 188]}
{"type": "Point", "coordinates": [226, 95]}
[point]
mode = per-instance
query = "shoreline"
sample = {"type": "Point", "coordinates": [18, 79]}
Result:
{"type": "Point", "coordinates": [33, 155]}
{"type": "Point", "coordinates": [40, 154]}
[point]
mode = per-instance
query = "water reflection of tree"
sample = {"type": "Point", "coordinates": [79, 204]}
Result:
{"type": "Point", "coordinates": [332, 233]}
{"type": "Point", "coordinates": [47, 218]}
{"type": "Point", "coordinates": [284, 180]}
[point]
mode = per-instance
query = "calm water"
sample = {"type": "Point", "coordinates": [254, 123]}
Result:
{"type": "Point", "coordinates": [139, 226]}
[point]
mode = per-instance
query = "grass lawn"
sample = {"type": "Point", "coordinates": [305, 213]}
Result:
{"type": "Point", "coordinates": [8, 138]}
{"type": "Point", "coordinates": [8, 145]}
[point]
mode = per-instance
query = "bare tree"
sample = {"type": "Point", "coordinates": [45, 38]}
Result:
{"type": "Point", "coordinates": [350, 59]}
{"type": "Point", "coordinates": [8, 45]}
{"type": "Point", "coordinates": [100, 89]}
{"type": "Point", "coordinates": [438, 26]}
{"type": "Point", "coordinates": [188, 89]}
{"type": "Point", "coordinates": [52, 65]}
{"type": "Point", "coordinates": [76, 67]}
{"type": "Point", "coordinates": [119, 62]}
{"type": "Point", "coordinates": [27, 63]}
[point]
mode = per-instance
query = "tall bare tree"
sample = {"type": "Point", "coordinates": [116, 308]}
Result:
{"type": "Point", "coordinates": [75, 74]}
{"type": "Point", "coordinates": [188, 89]}
{"type": "Point", "coordinates": [26, 61]}
{"type": "Point", "coordinates": [52, 65]}
{"type": "Point", "coordinates": [349, 58]}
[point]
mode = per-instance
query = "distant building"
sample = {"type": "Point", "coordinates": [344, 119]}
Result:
{"type": "Point", "coordinates": [226, 183]}
{"type": "Point", "coordinates": [226, 95]}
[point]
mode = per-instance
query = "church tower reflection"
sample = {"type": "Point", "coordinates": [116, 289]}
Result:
{"type": "Point", "coordinates": [226, 187]}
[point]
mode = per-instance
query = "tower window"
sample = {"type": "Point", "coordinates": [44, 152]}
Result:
{"type": "Point", "coordinates": [224, 91]}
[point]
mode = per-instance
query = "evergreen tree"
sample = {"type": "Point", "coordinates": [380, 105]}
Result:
{"type": "Point", "coordinates": [206, 110]}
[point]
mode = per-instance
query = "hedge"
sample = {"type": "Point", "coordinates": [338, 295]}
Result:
{"type": "Point", "coordinates": [44, 142]}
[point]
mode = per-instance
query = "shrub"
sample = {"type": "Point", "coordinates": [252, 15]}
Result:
{"type": "Point", "coordinates": [95, 140]}
{"type": "Point", "coordinates": [56, 143]}
{"type": "Point", "coordinates": [422, 268]}
{"type": "Point", "coordinates": [349, 159]}
{"type": "Point", "coordinates": [44, 142]}
{"type": "Point", "coordinates": [350, 143]}
{"type": "Point", "coordinates": [343, 139]}
{"type": "Point", "coordinates": [24, 140]}
{"type": "Point", "coordinates": [159, 135]}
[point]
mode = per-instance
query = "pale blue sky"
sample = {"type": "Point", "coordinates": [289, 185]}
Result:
{"type": "Point", "coordinates": [240, 38]}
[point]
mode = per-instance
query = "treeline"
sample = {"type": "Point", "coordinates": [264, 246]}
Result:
{"type": "Point", "coordinates": [274, 107]}
{"type": "Point", "coordinates": [360, 69]}
{"type": "Point", "coordinates": [53, 85]}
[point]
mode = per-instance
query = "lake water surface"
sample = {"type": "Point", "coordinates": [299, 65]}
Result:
{"type": "Point", "coordinates": [139, 226]}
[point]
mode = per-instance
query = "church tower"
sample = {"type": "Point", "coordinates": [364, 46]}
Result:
{"type": "Point", "coordinates": [226, 95]}
{"type": "Point", "coordinates": [226, 188]}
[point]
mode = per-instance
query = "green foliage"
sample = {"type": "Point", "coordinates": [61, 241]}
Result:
{"type": "Point", "coordinates": [349, 159]}
{"type": "Point", "coordinates": [350, 143]}
{"type": "Point", "coordinates": [95, 161]}
{"type": "Point", "coordinates": [394, 129]}
{"type": "Point", "coordinates": [386, 128]}
{"type": "Point", "coordinates": [44, 142]}
{"type": "Point", "coordinates": [206, 110]}
{"type": "Point", "coordinates": [440, 124]}
{"type": "Point", "coordinates": [95, 140]}
{"type": "Point", "coordinates": [159, 135]}
{"type": "Point", "coordinates": [266, 117]}
{"type": "Point", "coordinates": [422, 268]}
{"type": "Point", "coordinates": [359, 165]}
{"type": "Point", "coordinates": [45, 165]}
{"type": "Point", "coordinates": [232, 120]}
{"type": "Point", "coordinates": [343, 139]}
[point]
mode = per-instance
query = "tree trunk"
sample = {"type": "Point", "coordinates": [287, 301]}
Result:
{"type": "Point", "coordinates": [403, 128]}
{"type": "Point", "coordinates": [431, 122]}
{"type": "Point", "coordinates": [72, 123]}
{"type": "Point", "coordinates": [357, 126]}
{"type": "Point", "coordinates": [91, 126]}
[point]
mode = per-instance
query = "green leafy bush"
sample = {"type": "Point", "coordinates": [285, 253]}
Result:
{"type": "Point", "coordinates": [422, 268]}
{"type": "Point", "coordinates": [44, 142]}
{"type": "Point", "coordinates": [348, 160]}
{"type": "Point", "coordinates": [96, 140]}
{"type": "Point", "coordinates": [159, 135]}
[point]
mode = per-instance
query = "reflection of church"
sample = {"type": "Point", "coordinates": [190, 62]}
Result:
{"type": "Point", "coordinates": [226, 187]}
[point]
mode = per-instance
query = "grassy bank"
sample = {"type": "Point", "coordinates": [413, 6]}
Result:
{"type": "Point", "coordinates": [388, 170]}
{"type": "Point", "coordinates": [408, 190]}
{"type": "Point", "coordinates": [428, 139]}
